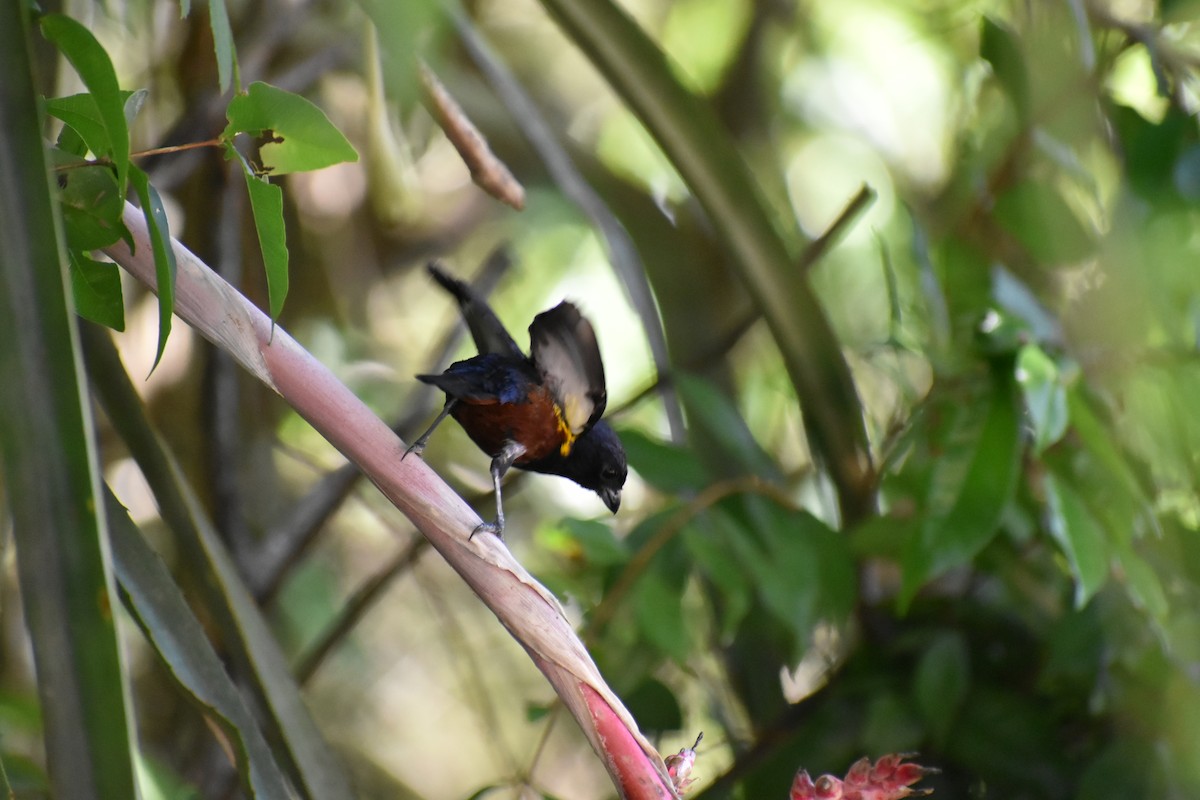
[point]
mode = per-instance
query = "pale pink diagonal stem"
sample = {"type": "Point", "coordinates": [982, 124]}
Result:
{"type": "Point", "coordinates": [530, 613]}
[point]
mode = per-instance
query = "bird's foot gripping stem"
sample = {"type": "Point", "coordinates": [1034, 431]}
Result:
{"type": "Point", "coordinates": [500, 464]}
{"type": "Point", "coordinates": [418, 446]}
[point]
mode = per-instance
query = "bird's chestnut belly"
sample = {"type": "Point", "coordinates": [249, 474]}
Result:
{"type": "Point", "coordinates": [533, 423]}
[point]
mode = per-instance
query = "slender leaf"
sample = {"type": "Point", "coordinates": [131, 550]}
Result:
{"type": "Point", "coordinates": [95, 69]}
{"type": "Point", "coordinates": [179, 639]}
{"type": "Point", "coordinates": [312, 766]}
{"type": "Point", "coordinates": [266, 203]}
{"type": "Point", "coordinates": [96, 288]}
{"type": "Point", "coordinates": [50, 474]}
{"type": "Point", "coordinates": [164, 256]}
{"type": "Point", "coordinates": [222, 33]}
{"type": "Point", "coordinates": [309, 140]}
{"type": "Point", "coordinates": [1001, 48]}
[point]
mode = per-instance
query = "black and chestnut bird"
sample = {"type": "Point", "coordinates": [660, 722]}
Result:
{"type": "Point", "coordinates": [539, 412]}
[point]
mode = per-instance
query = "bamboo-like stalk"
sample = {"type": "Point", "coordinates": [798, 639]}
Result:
{"type": "Point", "coordinates": [529, 611]}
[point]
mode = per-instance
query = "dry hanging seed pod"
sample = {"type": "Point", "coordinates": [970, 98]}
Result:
{"type": "Point", "coordinates": [488, 172]}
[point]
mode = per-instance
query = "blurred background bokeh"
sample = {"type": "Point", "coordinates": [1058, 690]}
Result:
{"type": "Point", "coordinates": [1017, 297]}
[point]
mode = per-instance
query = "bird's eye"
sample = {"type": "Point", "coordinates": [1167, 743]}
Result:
{"type": "Point", "coordinates": [608, 472]}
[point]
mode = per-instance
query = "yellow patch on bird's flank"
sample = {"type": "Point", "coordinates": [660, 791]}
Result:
{"type": "Point", "coordinates": [568, 437]}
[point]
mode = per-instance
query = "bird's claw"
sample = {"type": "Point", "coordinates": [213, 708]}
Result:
{"type": "Point", "coordinates": [415, 447]}
{"type": "Point", "coordinates": [494, 528]}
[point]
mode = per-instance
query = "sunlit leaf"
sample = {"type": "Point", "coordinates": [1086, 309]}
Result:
{"type": "Point", "coordinates": [303, 138]}
{"type": "Point", "coordinates": [1045, 395]}
{"type": "Point", "coordinates": [222, 33]}
{"type": "Point", "coordinates": [1079, 536]}
{"type": "Point", "coordinates": [96, 288]}
{"type": "Point", "coordinates": [95, 69]}
{"type": "Point", "coordinates": [1036, 214]}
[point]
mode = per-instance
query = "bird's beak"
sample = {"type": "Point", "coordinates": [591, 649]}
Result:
{"type": "Point", "coordinates": [611, 498]}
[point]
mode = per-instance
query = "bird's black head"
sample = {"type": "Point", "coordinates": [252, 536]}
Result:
{"type": "Point", "coordinates": [597, 462]}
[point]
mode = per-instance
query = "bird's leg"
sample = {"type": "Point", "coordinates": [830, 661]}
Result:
{"type": "Point", "coordinates": [418, 446]}
{"type": "Point", "coordinates": [500, 464]}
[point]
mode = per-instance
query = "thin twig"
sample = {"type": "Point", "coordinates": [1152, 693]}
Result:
{"type": "Point", "coordinates": [105, 161]}
{"type": "Point", "coordinates": [819, 246]}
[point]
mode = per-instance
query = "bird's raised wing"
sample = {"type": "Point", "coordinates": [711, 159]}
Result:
{"type": "Point", "coordinates": [487, 330]}
{"type": "Point", "coordinates": [562, 345]}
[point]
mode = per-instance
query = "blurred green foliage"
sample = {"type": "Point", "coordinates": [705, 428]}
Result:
{"type": "Point", "coordinates": [1019, 309]}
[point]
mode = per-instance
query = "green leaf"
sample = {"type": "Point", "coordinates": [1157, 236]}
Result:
{"type": "Point", "coordinates": [49, 479]}
{"type": "Point", "coordinates": [81, 113]}
{"type": "Point", "coordinates": [600, 548]}
{"type": "Point", "coordinates": [164, 255]}
{"type": "Point", "coordinates": [654, 706]}
{"type": "Point", "coordinates": [940, 683]}
{"type": "Point", "coordinates": [96, 288]}
{"type": "Point", "coordinates": [95, 69]}
{"type": "Point", "coordinates": [222, 33]}
{"type": "Point", "coordinates": [1142, 584]}
{"type": "Point", "coordinates": [309, 140]}
{"type": "Point", "coordinates": [709, 409]}
{"type": "Point", "coordinates": [802, 570]}
{"type": "Point", "coordinates": [708, 541]}
{"type": "Point", "coordinates": [666, 467]}
{"type": "Point", "coordinates": [266, 203]}
{"type": "Point", "coordinates": [999, 46]}
{"type": "Point", "coordinates": [300, 748]}
{"type": "Point", "coordinates": [92, 204]}
{"type": "Point", "coordinates": [658, 607]}
{"type": "Point", "coordinates": [1098, 441]}
{"type": "Point", "coordinates": [1079, 536]}
{"type": "Point", "coordinates": [1037, 216]}
{"type": "Point", "coordinates": [978, 481]}
{"type": "Point", "coordinates": [179, 639]}
{"type": "Point", "coordinates": [1045, 396]}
